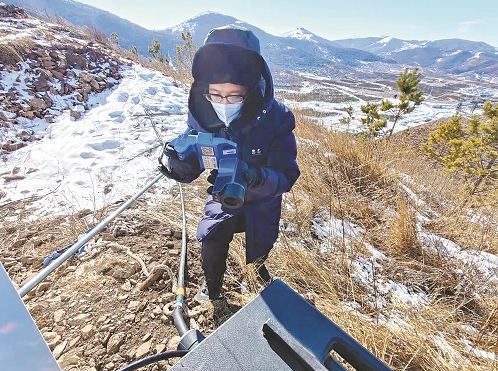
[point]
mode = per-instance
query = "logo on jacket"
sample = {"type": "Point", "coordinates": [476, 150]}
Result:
{"type": "Point", "coordinates": [256, 152]}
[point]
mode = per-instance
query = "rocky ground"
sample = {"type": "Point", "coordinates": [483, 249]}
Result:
{"type": "Point", "coordinates": [113, 305]}
{"type": "Point", "coordinates": [46, 68]}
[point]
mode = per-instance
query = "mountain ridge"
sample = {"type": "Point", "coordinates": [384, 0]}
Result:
{"type": "Point", "coordinates": [297, 50]}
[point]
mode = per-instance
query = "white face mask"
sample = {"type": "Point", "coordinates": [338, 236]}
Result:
{"type": "Point", "coordinates": [227, 112]}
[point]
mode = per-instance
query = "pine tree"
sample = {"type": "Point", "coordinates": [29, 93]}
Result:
{"type": "Point", "coordinates": [347, 119]}
{"type": "Point", "coordinates": [410, 96]}
{"type": "Point", "coordinates": [114, 38]}
{"type": "Point", "coordinates": [185, 54]}
{"type": "Point", "coordinates": [155, 51]}
{"type": "Point", "coordinates": [134, 51]}
{"type": "Point", "coordinates": [469, 148]}
{"type": "Point", "coordinates": [373, 121]}
{"type": "Point", "coordinates": [379, 114]}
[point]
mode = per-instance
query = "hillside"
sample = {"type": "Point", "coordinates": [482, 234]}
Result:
{"type": "Point", "coordinates": [45, 70]}
{"type": "Point", "coordinates": [373, 234]}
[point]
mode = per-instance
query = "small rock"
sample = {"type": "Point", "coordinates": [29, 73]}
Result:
{"type": "Point", "coordinates": [69, 360]}
{"type": "Point", "coordinates": [11, 147]}
{"type": "Point", "coordinates": [160, 347]}
{"type": "Point", "coordinates": [134, 305]}
{"type": "Point", "coordinates": [58, 75]}
{"type": "Point", "coordinates": [49, 335]}
{"type": "Point", "coordinates": [173, 343]}
{"type": "Point", "coordinates": [115, 342]}
{"type": "Point", "coordinates": [59, 349]}
{"type": "Point", "coordinates": [76, 115]}
{"type": "Point", "coordinates": [59, 315]}
{"type": "Point", "coordinates": [76, 61]}
{"type": "Point", "coordinates": [52, 342]}
{"type": "Point", "coordinates": [73, 342]}
{"type": "Point", "coordinates": [87, 331]}
{"type": "Point", "coordinates": [79, 319]}
{"type": "Point", "coordinates": [37, 104]}
{"type": "Point", "coordinates": [44, 286]}
{"type": "Point", "coordinates": [147, 336]}
{"type": "Point", "coordinates": [95, 85]}
{"type": "Point", "coordinates": [168, 297]}
{"type": "Point", "coordinates": [194, 324]}
{"type": "Point", "coordinates": [143, 349]}
{"type": "Point", "coordinates": [12, 177]}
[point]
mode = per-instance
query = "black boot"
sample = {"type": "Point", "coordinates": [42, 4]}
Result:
{"type": "Point", "coordinates": [209, 290]}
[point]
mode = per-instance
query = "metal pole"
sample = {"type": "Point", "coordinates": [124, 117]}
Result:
{"type": "Point", "coordinates": [40, 276]}
{"type": "Point", "coordinates": [178, 319]}
{"type": "Point", "coordinates": [183, 256]}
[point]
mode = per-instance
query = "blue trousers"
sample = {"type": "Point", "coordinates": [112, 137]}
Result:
{"type": "Point", "coordinates": [214, 248]}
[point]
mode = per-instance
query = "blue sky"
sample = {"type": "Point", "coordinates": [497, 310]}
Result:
{"type": "Point", "coordinates": [332, 19]}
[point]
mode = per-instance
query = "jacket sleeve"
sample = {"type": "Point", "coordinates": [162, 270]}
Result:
{"type": "Point", "coordinates": [282, 170]}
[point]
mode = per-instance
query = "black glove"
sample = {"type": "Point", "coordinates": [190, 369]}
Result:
{"type": "Point", "coordinates": [172, 167]}
{"type": "Point", "coordinates": [252, 176]}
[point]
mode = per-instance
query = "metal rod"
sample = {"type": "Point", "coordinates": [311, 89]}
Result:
{"type": "Point", "coordinates": [40, 276]}
{"type": "Point", "coordinates": [178, 319]}
{"type": "Point", "coordinates": [183, 256]}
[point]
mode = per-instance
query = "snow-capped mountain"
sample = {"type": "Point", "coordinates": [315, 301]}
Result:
{"type": "Point", "coordinates": [298, 50]}
{"type": "Point", "coordinates": [379, 45]}
{"type": "Point", "coordinates": [301, 33]}
{"type": "Point", "coordinates": [454, 56]}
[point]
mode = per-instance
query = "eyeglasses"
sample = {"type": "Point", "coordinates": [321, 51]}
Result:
{"type": "Point", "coordinates": [217, 98]}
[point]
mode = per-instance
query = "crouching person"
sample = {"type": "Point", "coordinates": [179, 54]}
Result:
{"type": "Point", "coordinates": [232, 97]}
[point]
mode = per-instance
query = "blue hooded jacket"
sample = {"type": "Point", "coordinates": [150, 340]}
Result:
{"type": "Point", "coordinates": [264, 137]}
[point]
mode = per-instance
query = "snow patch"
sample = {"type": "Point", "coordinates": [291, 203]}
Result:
{"type": "Point", "coordinates": [112, 144]}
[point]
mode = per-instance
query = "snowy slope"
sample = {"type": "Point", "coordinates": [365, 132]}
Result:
{"type": "Point", "coordinates": [92, 162]}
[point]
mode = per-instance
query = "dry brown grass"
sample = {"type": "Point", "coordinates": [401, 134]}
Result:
{"type": "Point", "coordinates": [361, 182]}
{"type": "Point", "coordinates": [413, 346]}
{"type": "Point", "coordinates": [402, 238]}
{"type": "Point", "coordinates": [470, 221]}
